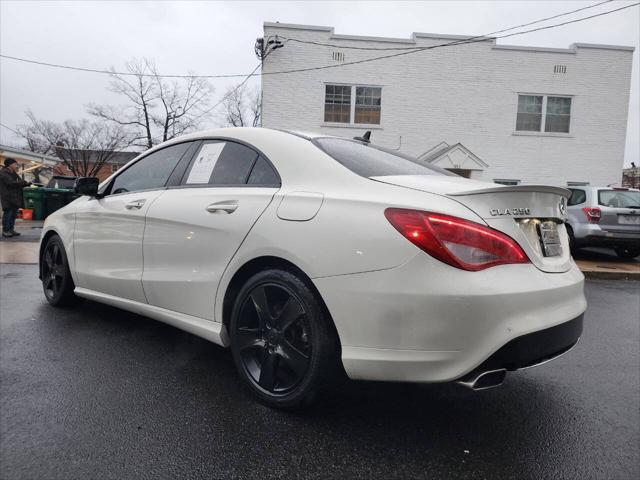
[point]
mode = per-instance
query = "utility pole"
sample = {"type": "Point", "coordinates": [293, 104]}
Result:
{"type": "Point", "coordinates": [263, 50]}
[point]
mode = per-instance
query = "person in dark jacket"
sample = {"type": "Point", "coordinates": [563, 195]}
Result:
{"type": "Point", "coordinates": [11, 186]}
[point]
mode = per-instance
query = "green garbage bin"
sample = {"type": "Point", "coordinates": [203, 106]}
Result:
{"type": "Point", "coordinates": [34, 199]}
{"type": "Point", "coordinates": [54, 199]}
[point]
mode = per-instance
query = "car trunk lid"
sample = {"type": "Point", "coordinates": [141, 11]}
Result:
{"type": "Point", "coordinates": [533, 215]}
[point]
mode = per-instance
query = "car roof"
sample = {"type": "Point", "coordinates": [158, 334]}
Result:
{"type": "Point", "coordinates": [298, 161]}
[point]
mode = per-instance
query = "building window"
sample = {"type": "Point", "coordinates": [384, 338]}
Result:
{"type": "Point", "coordinates": [558, 114]}
{"type": "Point", "coordinates": [114, 168]}
{"type": "Point", "coordinates": [506, 181]}
{"type": "Point", "coordinates": [529, 113]}
{"type": "Point", "coordinates": [352, 105]}
{"type": "Point", "coordinates": [543, 113]}
{"type": "Point", "coordinates": [368, 102]}
{"type": "Point", "coordinates": [577, 184]}
{"type": "Point", "coordinates": [337, 104]}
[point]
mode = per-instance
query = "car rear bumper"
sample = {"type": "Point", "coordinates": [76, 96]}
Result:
{"type": "Point", "coordinates": [610, 240]}
{"type": "Point", "coordinates": [532, 349]}
{"type": "Point", "coordinates": [427, 322]}
{"type": "Point", "coordinates": [594, 235]}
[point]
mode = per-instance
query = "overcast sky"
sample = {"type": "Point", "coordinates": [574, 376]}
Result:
{"type": "Point", "coordinates": [218, 38]}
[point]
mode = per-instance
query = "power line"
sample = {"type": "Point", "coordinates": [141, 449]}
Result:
{"type": "Point", "coordinates": [209, 110]}
{"type": "Point", "coordinates": [203, 114]}
{"type": "Point", "coordinates": [113, 72]}
{"type": "Point", "coordinates": [457, 42]}
{"type": "Point", "coordinates": [11, 129]}
{"type": "Point", "coordinates": [484, 36]}
{"type": "Point", "coordinates": [409, 51]}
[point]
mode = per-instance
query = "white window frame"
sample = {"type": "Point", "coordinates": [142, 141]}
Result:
{"type": "Point", "coordinates": [352, 106]}
{"type": "Point", "coordinates": [543, 121]}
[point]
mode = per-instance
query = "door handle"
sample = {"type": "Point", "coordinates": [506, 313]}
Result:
{"type": "Point", "coordinates": [137, 204]}
{"type": "Point", "coordinates": [228, 206]}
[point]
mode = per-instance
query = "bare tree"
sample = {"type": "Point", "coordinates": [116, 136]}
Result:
{"type": "Point", "coordinates": [83, 147]}
{"type": "Point", "coordinates": [242, 106]}
{"type": "Point", "coordinates": [156, 109]}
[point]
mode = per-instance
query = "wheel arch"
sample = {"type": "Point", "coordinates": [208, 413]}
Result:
{"type": "Point", "coordinates": [259, 264]}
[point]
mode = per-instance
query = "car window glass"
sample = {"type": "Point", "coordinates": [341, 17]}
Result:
{"type": "Point", "coordinates": [263, 174]}
{"type": "Point", "coordinates": [151, 172]}
{"type": "Point", "coordinates": [577, 197]}
{"type": "Point", "coordinates": [619, 198]}
{"type": "Point", "coordinates": [371, 161]}
{"type": "Point", "coordinates": [221, 163]}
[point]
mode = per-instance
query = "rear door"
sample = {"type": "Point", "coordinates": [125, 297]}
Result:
{"type": "Point", "coordinates": [195, 227]}
{"type": "Point", "coordinates": [109, 231]}
{"type": "Point", "coordinates": [620, 210]}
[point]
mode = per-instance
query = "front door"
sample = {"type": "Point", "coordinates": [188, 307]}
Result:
{"type": "Point", "coordinates": [108, 243]}
{"type": "Point", "coordinates": [109, 231]}
{"type": "Point", "coordinates": [193, 230]}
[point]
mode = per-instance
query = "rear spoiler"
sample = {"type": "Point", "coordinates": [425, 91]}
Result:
{"type": "Point", "coordinates": [516, 188]}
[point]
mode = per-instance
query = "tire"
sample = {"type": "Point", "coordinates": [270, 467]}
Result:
{"type": "Point", "coordinates": [57, 283]}
{"type": "Point", "coordinates": [627, 253]}
{"type": "Point", "coordinates": [284, 344]}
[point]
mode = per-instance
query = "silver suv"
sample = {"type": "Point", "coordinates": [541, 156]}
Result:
{"type": "Point", "coordinates": [605, 217]}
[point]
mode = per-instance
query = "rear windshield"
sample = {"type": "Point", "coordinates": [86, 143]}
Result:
{"type": "Point", "coordinates": [371, 161]}
{"type": "Point", "coordinates": [619, 198]}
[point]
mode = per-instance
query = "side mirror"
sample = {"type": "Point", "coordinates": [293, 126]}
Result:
{"type": "Point", "coordinates": [86, 186]}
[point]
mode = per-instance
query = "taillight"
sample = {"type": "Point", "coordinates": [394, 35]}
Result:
{"type": "Point", "coordinates": [460, 243]}
{"type": "Point", "coordinates": [593, 214]}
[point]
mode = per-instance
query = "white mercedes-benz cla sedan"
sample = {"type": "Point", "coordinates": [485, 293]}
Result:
{"type": "Point", "coordinates": [308, 254]}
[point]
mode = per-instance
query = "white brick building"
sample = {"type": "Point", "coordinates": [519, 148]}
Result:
{"type": "Point", "coordinates": [495, 112]}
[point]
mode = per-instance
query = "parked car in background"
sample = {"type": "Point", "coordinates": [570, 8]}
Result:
{"type": "Point", "coordinates": [60, 181]}
{"type": "Point", "coordinates": [605, 217]}
{"type": "Point", "coordinates": [306, 253]}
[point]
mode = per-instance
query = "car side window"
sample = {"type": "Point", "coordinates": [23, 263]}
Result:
{"type": "Point", "coordinates": [263, 174]}
{"type": "Point", "coordinates": [221, 163]}
{"type": "Point", "coordinates": [577, 197]}
{"type": "Point", "coordinates": [150, 172]}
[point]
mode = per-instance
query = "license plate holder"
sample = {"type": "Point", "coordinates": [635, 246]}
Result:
{"type": "Point", "coordinates": [629, 219]}
{"type": "Point", "coordinates": [550, 239]}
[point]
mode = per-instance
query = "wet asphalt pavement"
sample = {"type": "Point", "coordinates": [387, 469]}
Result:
{"type": "Point", "coordinates": [95, 392]}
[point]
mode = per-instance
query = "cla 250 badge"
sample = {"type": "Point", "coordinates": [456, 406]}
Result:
{"type": "Point", "coordinates": [497, 212]}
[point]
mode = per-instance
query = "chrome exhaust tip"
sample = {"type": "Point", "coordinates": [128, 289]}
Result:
{"type": "Point", "coordinates": [484, 380]}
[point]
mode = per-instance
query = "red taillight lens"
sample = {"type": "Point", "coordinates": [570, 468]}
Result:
{"type": "Point", "coordinates": [593, 214]}
{"type": "Point", "coordinates": [460, 243]}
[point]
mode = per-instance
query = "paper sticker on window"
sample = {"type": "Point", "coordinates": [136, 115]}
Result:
{"type": "Point", "coordinates": [205, 162]}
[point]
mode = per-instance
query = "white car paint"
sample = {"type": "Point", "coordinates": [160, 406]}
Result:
{"type": "Point", "coordinates": [400, 314]}
{"type": "Point", "coordinates": [187, 247]}
{"type": "Point", "coordinates": [108, 238]}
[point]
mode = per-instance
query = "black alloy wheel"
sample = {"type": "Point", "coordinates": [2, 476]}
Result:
{"type": "Point", "coordinates": [273, 338]}
{"type": "Point", "coordinates": [54, 270]}
{"type": "Point", "coordinates": [282, 342]}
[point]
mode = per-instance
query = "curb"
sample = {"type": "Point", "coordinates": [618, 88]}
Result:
{"type": "Point", "coordinates": [631, 276]}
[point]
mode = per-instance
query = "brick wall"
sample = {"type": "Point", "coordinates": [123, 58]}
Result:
{"type": "Point", "coordinates": [467, 94]}
{"type": "Point", "coordinates": [631, 177]}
